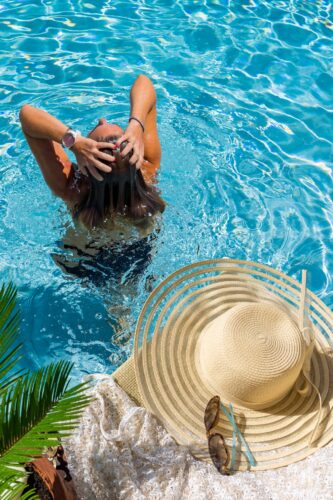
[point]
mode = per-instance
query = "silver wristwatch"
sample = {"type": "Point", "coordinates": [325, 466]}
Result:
{"type": "Point", "coordinates": [69, 138]}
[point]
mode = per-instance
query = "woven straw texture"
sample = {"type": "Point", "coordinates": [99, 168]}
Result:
{"type": "Point", "coordinates": [125, 377]}
{"type": "Point", "coordinates": [171, 387]}
{"type": "Point", "coordinates": [251, 355]}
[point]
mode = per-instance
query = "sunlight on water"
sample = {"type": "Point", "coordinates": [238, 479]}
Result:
{"type": "Point", "coordinates": [245, 118]}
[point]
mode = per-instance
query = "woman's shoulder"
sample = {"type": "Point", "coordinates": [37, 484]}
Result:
{"type": "Point", "coordinates": [117, 230]}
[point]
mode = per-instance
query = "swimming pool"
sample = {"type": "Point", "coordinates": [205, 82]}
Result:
{"type": "Point", "coordinates": [246, 124]}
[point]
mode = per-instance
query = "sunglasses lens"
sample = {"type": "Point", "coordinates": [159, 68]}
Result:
{"type": "Point", "coordinates": [212, 413]}
{"type": "Point", "coordinates": [219, 452]}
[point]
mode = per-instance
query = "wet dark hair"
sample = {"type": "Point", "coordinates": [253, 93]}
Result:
{"type": "Point", "coordinates": [122, 191]}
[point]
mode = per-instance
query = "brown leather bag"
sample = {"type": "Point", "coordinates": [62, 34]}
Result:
{"type": "Point", "coordinates": [50, 482]}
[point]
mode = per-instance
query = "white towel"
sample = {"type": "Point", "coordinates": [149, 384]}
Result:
{"type": "Point", "coordinates": [119, 450]}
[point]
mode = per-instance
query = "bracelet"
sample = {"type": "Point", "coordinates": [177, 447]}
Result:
{"type": "Point", "coordinates": [137, 120]}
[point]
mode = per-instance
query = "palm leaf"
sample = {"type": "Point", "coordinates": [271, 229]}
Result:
{"type": "Point", "coordinates": [35, 413]}
{"type": "Point", "coordinates": [36, 410]}
{"type": "Point", "coordinates": [9, 327]}
{"type": "Point", "coordinates": [10, 489]}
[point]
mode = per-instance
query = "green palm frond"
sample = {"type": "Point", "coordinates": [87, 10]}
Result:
{"type": "Point", "coordinates": [10, 489]}
{"type": "Point", "coordinates": [9, 327]}
{"type": "Point", "coordinates": [36, 410]}
{"type": "Point", "coordinates": [35, 413]}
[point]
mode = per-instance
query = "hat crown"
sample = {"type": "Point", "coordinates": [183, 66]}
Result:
{"type": "Point", "coordinates": [251, 355]}
{"type": "Point", "coordinates": [172, 368]}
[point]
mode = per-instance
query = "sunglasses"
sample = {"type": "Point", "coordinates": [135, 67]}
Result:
{"type": "Point", "coordinates": [218, 450]}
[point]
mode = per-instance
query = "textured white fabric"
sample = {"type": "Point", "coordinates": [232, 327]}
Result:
{"type": "Point", "coordinates": [119, 450]}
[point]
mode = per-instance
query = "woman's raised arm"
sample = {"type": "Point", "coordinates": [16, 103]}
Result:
{"type": "Point", "coordinates": [141, 132]}
{"type": "Point", "coordinates": [44, 134]}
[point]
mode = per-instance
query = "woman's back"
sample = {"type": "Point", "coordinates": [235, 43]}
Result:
{"type": "Point", "coordinates": [122, 192]}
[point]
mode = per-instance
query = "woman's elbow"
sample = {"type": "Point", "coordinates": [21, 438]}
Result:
{"type": "Point", "coordinates": [144, 78]}
{"type": "Point", "coordinates": [24, 112]}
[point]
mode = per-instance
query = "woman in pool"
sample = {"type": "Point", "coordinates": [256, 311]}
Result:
{"type": "Point", "coordinates": [115, 168]}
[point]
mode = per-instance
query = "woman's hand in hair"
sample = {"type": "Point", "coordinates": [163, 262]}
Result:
{"type": "Point", "coordinates": [134, 135]}
{"type": "Point", "coordinates": [88, 156]}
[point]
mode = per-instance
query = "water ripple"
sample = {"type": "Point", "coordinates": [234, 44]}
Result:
{"type": "Point", "coordinates": [246, 122]}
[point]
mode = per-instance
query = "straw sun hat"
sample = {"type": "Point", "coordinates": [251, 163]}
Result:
{"type": "Point", "coordinates": [249, 334]}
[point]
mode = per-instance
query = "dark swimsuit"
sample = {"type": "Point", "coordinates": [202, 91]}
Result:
{"type": "Point", "coordinates": [100, 266]}
{"type": "Point", "coordinates": [106, 267]}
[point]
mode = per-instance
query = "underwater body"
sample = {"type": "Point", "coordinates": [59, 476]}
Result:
{"type": "Point", "coordinates": [245, 121]}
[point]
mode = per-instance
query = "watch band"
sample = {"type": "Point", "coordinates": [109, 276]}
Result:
{"type": "Point", "coordinates": [69, 138]}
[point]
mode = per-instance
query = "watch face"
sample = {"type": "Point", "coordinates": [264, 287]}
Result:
{"type": "Point", "coordinates": [68, 139]}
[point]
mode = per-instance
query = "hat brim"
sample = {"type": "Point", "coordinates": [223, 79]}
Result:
{"type": "Point", "coordinates": [126, 379]}
{"type": "Point", "coordinates": [168, 384]}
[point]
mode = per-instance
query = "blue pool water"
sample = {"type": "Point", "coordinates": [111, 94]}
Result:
{"type": "Point", "coordinates": [246, 124]}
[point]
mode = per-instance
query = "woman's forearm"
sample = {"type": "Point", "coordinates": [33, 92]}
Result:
{"type": "Point", "coordinates": [40, 124]}
{"type": "Point", "coordinates": [143, 98]}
